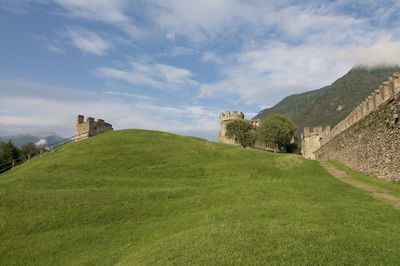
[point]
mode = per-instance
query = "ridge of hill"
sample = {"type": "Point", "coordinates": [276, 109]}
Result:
{"type": "Point", "coordinates": [331, 104]}
{"type": "Point", "coordinates": [136, 197]}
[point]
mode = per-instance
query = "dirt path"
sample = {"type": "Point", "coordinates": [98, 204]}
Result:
{"type": "Point", "coordinates": [375, 191]}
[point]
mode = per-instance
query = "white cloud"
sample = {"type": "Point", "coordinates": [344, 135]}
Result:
{"type": "Point", "coordinates": [170, 36]}
{"type": "Point", "coordinates": [88, 41]}
{"type": "Point", "coordinates": [133, 95]}
{"type": "Point", "coordinates": [158, 76]}
{"type": "Point", "coordinates": [211, 57]}
{"type": "Point", "coordinates": [107, 11]}
{"type": "Point", "coordinates": [41, 142]}
{"type": "Point", "coordinates": [271, 72]}
{"type": "Point", "coordinates": [55, 49]}
{"type": "Point", "coordinates": [265, 50]}
{"type": "Point", "coordinates": [201, 20]}
{"type": "Point", "coordinates": [385, 52]}
{"type": "Point", "coordinates": [33, 108]}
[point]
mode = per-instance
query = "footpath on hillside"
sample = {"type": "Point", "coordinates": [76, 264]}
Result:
{"type": "Point", "coordinates": [374, 191]}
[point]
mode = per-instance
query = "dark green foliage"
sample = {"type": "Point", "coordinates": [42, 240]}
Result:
{"type": "Point", "coordinates": [241, 131]}
{"type": "Point", "coordinates": [8, 152]}
{"type": "Point", "coordinates": [29, 149]}
{"type": "Point", "coordinates": [277, 130]}
{"type": "Point", "coordinates": [292, 148]}
{"type": "Point", "coordinates": [321, 107]}
{"type": "Point", "coordinates": [11, 156]}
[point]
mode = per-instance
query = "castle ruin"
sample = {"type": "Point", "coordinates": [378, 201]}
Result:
{"type": "Point", "coordinates": [226, 117]}
{"type": "Point", "coordinates": [223, 119]}
{"type": "Point", "coordinates": [90, 128]}
{"type": "Point", "coordinates": [368, 139]}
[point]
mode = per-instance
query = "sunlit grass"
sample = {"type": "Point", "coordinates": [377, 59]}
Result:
{"type": "Point", "coordinates": [143, 197]}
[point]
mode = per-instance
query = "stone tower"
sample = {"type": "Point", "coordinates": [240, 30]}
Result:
{"type": "Point", "coordinates": [90, 128]}
{"type": "Point", "coordinates": [311, 140]}
{"type": "Point", "coordinates": [223, 119]}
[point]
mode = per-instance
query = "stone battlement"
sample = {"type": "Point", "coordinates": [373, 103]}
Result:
{"type": "Point", "coordinates": [90, 128]}
{"type": "Point", "coordinates": [227, 116]}
{"type": "Point", "coordinates": [387, 91]}
{"type": "Point", "coordinates": [316, 131]}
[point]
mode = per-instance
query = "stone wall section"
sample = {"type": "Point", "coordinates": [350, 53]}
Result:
{"type": "Point", "coordinates": [90, 128]}
{"type": "Point", "coordinates": [368, 139]}
{"type": "Point", "coordinates": [371, 146]}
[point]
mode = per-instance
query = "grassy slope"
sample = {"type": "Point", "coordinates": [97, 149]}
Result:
{"type": "Point", "coordinates": [319, 107]}
{"type": "Point", "coordinates": [143, 197]}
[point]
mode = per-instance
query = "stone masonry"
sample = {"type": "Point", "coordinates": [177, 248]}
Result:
{"type": "Point", "coordinates": [90, 128]}
{"type": "Point", "coordinates": [368, 139]}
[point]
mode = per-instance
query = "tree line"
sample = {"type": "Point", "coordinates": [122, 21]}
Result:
{"type": "Point", "coordinates": [9, 153]}
{"type": "Point", "coordinates": [275, 130]}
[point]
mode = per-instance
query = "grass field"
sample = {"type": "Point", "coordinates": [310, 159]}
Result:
{"type": "Point", "coordinates": [137, 197]}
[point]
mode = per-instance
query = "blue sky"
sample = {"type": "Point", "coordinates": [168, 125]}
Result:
{"type": "Point", "coordinates": [175, 65]}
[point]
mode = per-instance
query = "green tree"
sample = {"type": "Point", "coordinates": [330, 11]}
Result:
{"type": "Point", "coordinates": [29, 149]}
{"type": "Point", "coordinates": [276, 130]}
{"type": "Point", "coordinates": [241, 131]}
{"type": "Point", "coordinates": [8, 153]}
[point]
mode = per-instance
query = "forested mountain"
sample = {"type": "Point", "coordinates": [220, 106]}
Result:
{"type": "Point", "coordinates": [331, 104]}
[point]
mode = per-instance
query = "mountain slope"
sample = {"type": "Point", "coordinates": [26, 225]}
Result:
{"type": "Point", "coordinates": [136, 197]}
{"type": "Point", "coordinates": [329, 105]}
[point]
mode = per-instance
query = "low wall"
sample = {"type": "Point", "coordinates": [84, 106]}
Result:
{"type": "Point", "coordinates": [371, 145]}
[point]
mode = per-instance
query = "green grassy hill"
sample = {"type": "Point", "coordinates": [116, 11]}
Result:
{"type": "Point", "coordinates": [137, 197]}
{"type": "Point", "coordinates": [330, 105]}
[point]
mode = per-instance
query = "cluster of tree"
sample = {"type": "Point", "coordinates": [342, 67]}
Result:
{"type": "Point", "coordinates": [275, 130]}
{"type": "Point", "coordinates": [9, 152]}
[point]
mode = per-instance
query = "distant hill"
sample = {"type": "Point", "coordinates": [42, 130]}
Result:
{"type": "Point", "coordinates": [40, 138]}
{"type": "Point", "coordinates": [331, 104]}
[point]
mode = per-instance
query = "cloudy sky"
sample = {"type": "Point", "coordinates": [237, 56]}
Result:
{"type": "Point", "coordinates": [174, 65]}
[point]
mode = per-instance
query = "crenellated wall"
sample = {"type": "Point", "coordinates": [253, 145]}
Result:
{"type": "Point", "coordinates": [386, 91]}
{"type": "Point", "coordinates": [368, 139]}
{"type": "Point", "coordinates": [90, 128]}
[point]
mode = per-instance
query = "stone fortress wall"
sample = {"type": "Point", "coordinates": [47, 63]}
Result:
{"type": "Point", "coordinates": [368, 139]}
{"type": "Point", "coordinates": [90, 128]}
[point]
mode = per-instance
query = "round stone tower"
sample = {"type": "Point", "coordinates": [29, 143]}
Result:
{"type": "Point", "coordinates": [223, 119]}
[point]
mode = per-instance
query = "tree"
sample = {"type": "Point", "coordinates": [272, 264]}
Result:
{"type": "Point", "coordinates": [29, 149]}
{"type": "Point", "coordinates": [241, 131]}
{"type": "Point", "coordinates": [8, 153]}
{"type": "Point", "coordinates": [277, 130]}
